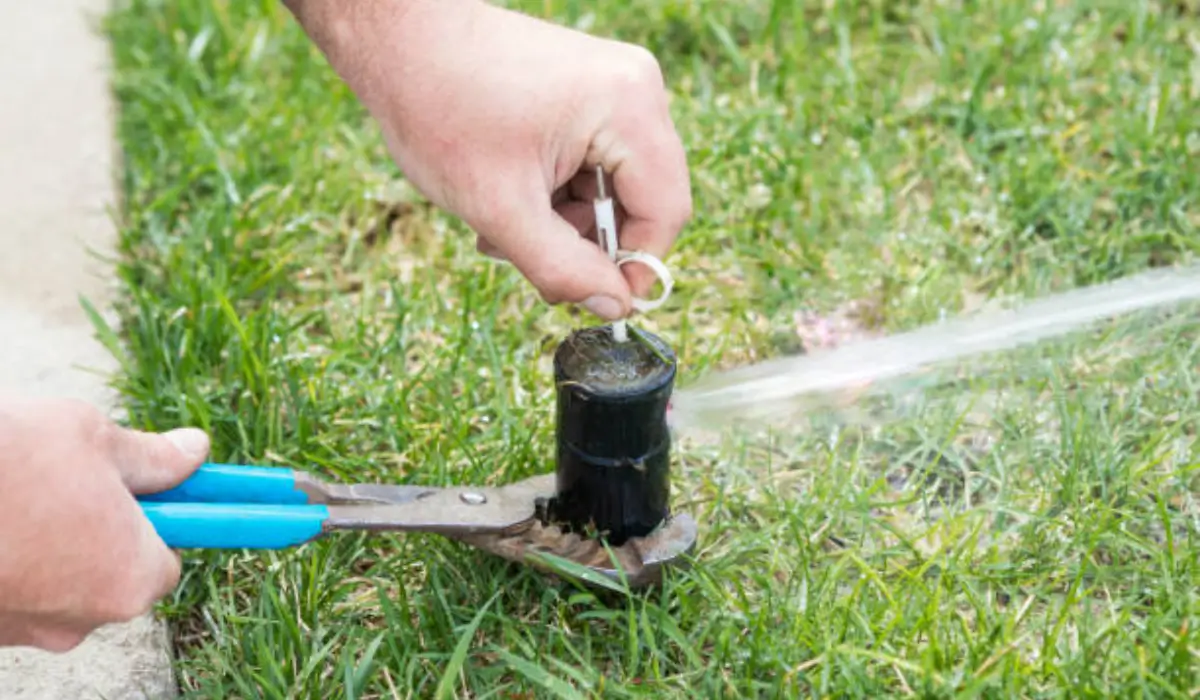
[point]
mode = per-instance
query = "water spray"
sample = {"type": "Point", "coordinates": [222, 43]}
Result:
{"type": "Point", "coordinates": [781, 389]}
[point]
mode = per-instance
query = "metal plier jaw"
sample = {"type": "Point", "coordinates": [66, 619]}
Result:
{"type": "Point", "coordinates": [249, 507]}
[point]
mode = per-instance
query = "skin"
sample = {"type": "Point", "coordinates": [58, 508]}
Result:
{"type": "Point", "coordinates": [507, 135]}
{"type": "Point", "coordinates": [496, 117]}
{"type": "Point", "coordinates": [76, 550]}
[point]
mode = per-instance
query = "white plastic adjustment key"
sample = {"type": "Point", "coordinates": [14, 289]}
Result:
{"type": "Point", "coordinates": [606, 235]}
{"type": "Point", "coordinates": [660, 270]}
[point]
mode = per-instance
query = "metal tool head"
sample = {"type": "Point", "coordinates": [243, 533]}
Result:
{"type": "Point", "coordinates": [639, 562]}
{"type": "Point", "coordinates": [458, 510]}
{"type": "Point", "coordinates": [504, 521]}
{"type": "Point", "coordinates": [326, 493]}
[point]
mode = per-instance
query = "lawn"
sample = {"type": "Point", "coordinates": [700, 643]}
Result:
{"type": "Point", "coordinates": [1028, 531]}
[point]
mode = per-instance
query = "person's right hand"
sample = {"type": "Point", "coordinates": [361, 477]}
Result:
{"type": "Point", "coordinates": [76, 551]}
{"type": "Point", "coordinates": [501, 119]}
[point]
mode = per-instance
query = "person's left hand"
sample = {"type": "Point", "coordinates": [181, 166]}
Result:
{"type": "Point", "coordinates": [76, 550]}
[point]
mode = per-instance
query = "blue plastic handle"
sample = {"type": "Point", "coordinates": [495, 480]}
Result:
{"type": "Point", "coordinates": [233, 483]}
{"type": "Point", "coordinates": [231, 506]}
{"type": "Point", "coordinates": [235, 526]}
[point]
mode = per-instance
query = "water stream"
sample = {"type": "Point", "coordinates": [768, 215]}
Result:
{"type": "Point", "coordinates": [783, 388]}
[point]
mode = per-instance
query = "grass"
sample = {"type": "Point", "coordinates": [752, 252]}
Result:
{"type": "Point", "coordinates": [285, 289]}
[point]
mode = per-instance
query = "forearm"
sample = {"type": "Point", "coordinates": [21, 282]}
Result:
{"type": "Point", "coordinates": [354, 36]}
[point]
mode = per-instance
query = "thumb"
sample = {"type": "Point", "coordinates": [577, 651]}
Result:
{"type": "Point", "coordinates": [565, 267]}
{"type": "Point", "coordinates": [151, 462]}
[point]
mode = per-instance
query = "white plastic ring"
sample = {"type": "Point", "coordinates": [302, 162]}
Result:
{"type": "Point", "coordinates": [664, 276]}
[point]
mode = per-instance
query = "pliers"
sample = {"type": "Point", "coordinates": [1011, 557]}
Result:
{"type": "Point", "coordinates": [225, 506]}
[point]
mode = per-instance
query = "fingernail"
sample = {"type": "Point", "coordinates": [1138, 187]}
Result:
{"type": "Point", "coordinates": [606, 308]}
{"type": "Point", "coordinates": [190, 441]}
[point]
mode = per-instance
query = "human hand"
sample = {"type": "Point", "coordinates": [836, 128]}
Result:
{"type": "Point", "coordinates": [76, 552]}
{"type": "Point", "coordinates": [501, 118]}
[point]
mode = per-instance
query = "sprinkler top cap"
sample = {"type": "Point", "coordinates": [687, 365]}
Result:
{"type": "Point", "coordinates": [592, 360]}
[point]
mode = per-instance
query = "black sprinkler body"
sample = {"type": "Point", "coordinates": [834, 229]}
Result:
{"type": "Point", "coordinates": [613, 443]}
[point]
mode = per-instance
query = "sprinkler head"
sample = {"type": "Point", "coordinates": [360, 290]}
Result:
{"type": "Point", "coordinates": [607, 505]}
{"type": "Point", "coordinates": [613, 443]}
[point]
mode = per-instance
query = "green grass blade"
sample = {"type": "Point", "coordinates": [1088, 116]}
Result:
{"type": "Point", "coordinates": [537, 674]}
{"type": "Point", "coordinates": [455, 664]}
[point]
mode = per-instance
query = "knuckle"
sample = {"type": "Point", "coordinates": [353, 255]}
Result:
{"type": "Point", "coordinates": [638, 73]}
{"type": "Point", "coordinates": [56, 640]}
{"type": "Point", "coordinates": [88, 420]}
{"type": "Point", "coordinates": [684, 210]}
{"type": "Point", "coordinates": [106, 435]}
{"type": "Point", "coordinates": [124, 604]}
{"type": "Point", "coordinates": [676, 210]}
{"type": "Point", "coordinates": [644, 67]}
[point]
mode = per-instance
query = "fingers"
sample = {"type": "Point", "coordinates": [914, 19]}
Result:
{"type": "Point", "coordinates": [576, 208]}
{"type": "Point", "coordinates": [548, 250]}
{"type": "Point", "coordinates": [161, 570]}
{"type": "Point", "coordinates": [123, 581]}
{"type": "Point", "coordinates": [53, 637]}
{"type": "Point", "coordinates": [656, 196]}
{"type": "Point", "coordinates": [141, 573]}
{"type": "Point", "coordinates": [581, 216]}
{"type": "Point", "coordinates": [584, 187]}
{"type": "Point", "coordinates": [144, 569]}
{"type": "Point", "coordinates": [150, 462]}
{"type": "Point", "coordinates": [57, 640]}
{"type": "Point", "coordinates": [651, 180]}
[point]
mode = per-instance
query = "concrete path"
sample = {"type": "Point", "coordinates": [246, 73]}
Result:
{"type": "Point", "coordinates": [57, 163]}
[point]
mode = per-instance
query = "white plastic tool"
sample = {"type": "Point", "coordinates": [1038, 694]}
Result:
{"type": "Point", "coordinates": [606, 234]}
{"type": "Point", "coordinates": [606, 228]}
